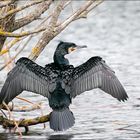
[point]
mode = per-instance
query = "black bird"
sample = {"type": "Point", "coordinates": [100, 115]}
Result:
{"type": "Point", "coordinates": [60, 82]}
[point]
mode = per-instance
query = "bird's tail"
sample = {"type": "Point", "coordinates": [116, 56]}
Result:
{"type": "Point", "coordinates": [61, 119]}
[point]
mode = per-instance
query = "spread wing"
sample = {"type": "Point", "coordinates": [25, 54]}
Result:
{"type": "Point", "coordinates": [26, 75]}
{"type": "Point", "coordinates": [96, 74]}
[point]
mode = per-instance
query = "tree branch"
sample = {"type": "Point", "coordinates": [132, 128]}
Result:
{"type": "Point", "coordinates": [5, 3]}
{"type": "Point", "coordinates": [25, 122]}
{"type": "Point", "coordinates": [78, 14]}
{"type": "Point", "coordinates": [13, 11]}
{"type": "Point", "coordinates": [52, 31]}
{"type": "Point", "coordinates": [94, 5]}
{"type": "Point", "coordinates": [25, 33]}
{"type": "Point", "coordinates": [49, 33]}
{"type": "Point", "coordinates": [8, 23]}
{"type": "Point", "coordinates": [32, 16]}
{"type": "Point", "coordinates": [13, 58]}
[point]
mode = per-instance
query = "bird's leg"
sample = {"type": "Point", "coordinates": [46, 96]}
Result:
{"type": "Point", "coordinates": [10, 115]}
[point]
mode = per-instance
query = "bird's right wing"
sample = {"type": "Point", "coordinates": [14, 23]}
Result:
{"type": "Point", "coordinates": [26, 75]}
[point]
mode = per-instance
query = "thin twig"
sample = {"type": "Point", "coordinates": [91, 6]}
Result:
{"type": "Point", "coordinates": [75, 15]}
{"type": "Point", "coordinates": [5, 4]}
{"type": "Point", "coordinates": [93, 6]}
{"type": "Point", "coordinates": [12, 43]}
{"type": "Point", "coordinates": [13, 58]}
{"type": "Point", "coordinates": [10, 115]}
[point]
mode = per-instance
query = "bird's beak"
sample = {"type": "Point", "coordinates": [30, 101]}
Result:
{"type": "Point", "coordinates": [80, 47]}
{"type": "Point", "coordinates": [71, 49]}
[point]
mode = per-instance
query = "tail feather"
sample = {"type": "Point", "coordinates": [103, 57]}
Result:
{"type": "Point", "coordinates": [61, 119]}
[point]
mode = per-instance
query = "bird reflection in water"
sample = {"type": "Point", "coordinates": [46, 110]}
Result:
{"type": "Point", "coordinates": [60, 137]}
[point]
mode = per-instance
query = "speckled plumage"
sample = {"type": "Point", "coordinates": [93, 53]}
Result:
{"type": "Point", "coordinates": [60, 82]}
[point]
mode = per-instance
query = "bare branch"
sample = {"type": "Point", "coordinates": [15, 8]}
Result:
{"type": "Point", "coordinates": [76, 15]}
{"type": "Point", "coordinates": [49, 32]}
{"type": "Point", "coordinates": [52, 31]}
{"type": "Point", "coordinates": [32, 16]}
{"type": "Point", "coordinates": [5, 3]}
{"type": "Point", "coordinates": [13, 58]}
{"type": "Point", "coordinates": [13, 11]}
{"type": "Point", "coordinates": [94, 5]}
{"type": "Point", "coordinates": [56, 13]}
{"type": "Point", "coordinates": [25, 122]}
{"type": "Point", "coordinates": [8, 23]}
{"type": "Point", "coordinates": [10, 115]}
{"type": "Point", "coordinates": [9, 34]}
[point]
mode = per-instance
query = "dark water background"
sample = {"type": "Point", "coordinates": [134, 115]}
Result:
{"type": "Point", "coordinates": [112, 31]}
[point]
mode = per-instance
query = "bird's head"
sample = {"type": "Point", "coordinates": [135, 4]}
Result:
{"type": "Point", "coordinates": [68, 47]}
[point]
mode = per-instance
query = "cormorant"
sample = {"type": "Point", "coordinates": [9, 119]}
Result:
{"type": "Point", "coordinates": [60, 82]}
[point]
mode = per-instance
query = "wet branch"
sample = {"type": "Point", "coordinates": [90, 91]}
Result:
{"type": "Point", "coordinates": [6, 123]}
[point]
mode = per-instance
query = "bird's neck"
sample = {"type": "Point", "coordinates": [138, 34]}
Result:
{"type": "Point", "coordinates": [59, 59]}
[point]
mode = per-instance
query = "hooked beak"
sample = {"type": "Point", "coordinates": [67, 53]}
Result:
{"type": "Point", "coordinates": [80, 47]}
{"type": "Point", "coordinates": [71, 49]}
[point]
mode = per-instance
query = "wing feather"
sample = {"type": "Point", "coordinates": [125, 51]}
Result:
{"type": "Point", "coordinates": [95, 73]}
{"type": "Point", "coordinates": [26, 75]}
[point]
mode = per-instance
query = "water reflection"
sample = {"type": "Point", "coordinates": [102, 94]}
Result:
{"type": "Point", "coordinates": [7, 136]}
{"type": "Point", "coordinates": [60, 137]}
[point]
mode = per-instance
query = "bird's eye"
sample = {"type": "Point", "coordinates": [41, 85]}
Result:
{"type": "Point", "coordinates": [71, 49]}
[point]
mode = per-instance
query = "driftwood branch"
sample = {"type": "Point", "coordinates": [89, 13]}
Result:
{"type": "Point", "coordinates": [6, 123]}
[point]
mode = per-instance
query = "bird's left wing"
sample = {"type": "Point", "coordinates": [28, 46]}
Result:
{"type": "Point", "coordinates": [26, 75]}
{"type": "Point", "coordinates": [95, 73]}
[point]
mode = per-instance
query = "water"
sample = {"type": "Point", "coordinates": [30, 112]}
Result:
{"type": "Point", "coordinates": [112, 32]}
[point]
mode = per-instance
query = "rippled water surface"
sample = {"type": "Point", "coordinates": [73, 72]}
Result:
{"type": "Point", "coordinates": [112, 31]}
